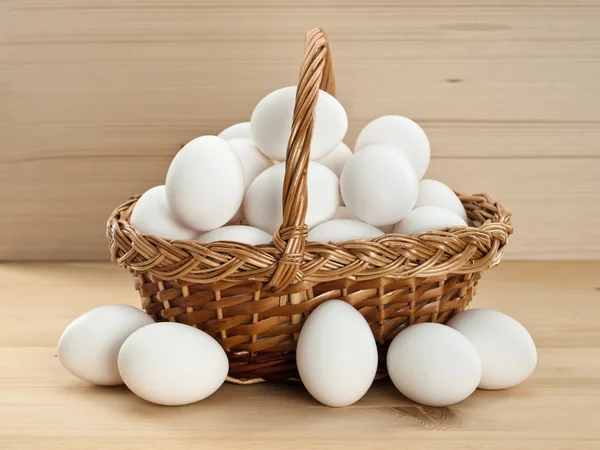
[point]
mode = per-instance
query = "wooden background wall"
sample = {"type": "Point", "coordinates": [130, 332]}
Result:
{"type": "Point", "coordinates": [96, 96]}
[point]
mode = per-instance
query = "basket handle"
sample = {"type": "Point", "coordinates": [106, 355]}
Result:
{"type": "Point", "coordinates": [316, 73]}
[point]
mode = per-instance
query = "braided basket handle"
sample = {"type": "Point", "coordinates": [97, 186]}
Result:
{"type": "Point", "coordinates": [316, 73]}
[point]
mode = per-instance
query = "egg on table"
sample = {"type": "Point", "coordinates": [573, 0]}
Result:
{"type": "Point", "coordinates": [170, 363]}
{"type": "Point", "coordinates": [341, 230]}
{"type": "Point", "coordinates": [379, 185]}
{"type": "Point", "coordinates": [239, 130]}
{"type": "Point", "coordinates": [237, 233]}
{"type": "Point", "coordinates": [433, 364]}
{"type": "Point", "coordinates": [89, 346]}
{"type": "Point", "coordinates": [151, 215]}
{"type": "Point", "coordinates": [271, 123]}
{"type": "Point", "coordinates": [507, 351]}
{"type": "Point", "coordinates": [401, 133]}
{"type": "Point", "coordinates": [205, 183]}
{"type": "Point", "coordinates": [428, 218]}
{"type": "Point", "coordinates": [436, 193]}
{"type": "Point", "coordinates": [336, 354]}
{"type": "Point", "coordinates": [263, 202]}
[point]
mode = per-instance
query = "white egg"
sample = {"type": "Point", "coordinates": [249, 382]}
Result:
{"type": "Point", "coordinates": [379, 185]}
{"type": "Point", "coordinates": [239, 130]}
{"type": "Point", "coordinates": [436, 193]}
{"type": "Point", "coordinates": [336, 354]}
{"type": "Point", "coordinates": [89, 346]}
{"type": "Point", "coordinates": [433, 364]}
{"type": "Point", "coordinates": [428, 218]}
{"type": "Point", "coordinates": [263, 203]}
{"type": "Point", "coordinates": [237, 233]}
{"type": "Point", "coordinates": [336, 158]}
{"type": "Point", "coordinates": [343, 212]}
{"type": "Point", "coordinates": [170, 363]}
{"type": "Point", "coordinates": [507, 351]}
{"type": "Point", "coordinates": [205, 183]}
{"type": "Point", "coordinates": [402, 133]}
{"type": "Point", "coordinates": [341, 230]}
{"type": "Point", "coordinates": [151, 215]}
{"type": "Point", "coordinates": [254, 162]}
{"type": "Point", "coordinates": [271, 123]}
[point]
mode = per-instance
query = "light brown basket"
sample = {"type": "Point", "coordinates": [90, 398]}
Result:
{"type": "Point", "coordinates": [253, 300]}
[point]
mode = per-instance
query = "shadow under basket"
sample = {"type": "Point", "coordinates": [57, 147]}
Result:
{"type": "Point", "coordinates": [254, 299]}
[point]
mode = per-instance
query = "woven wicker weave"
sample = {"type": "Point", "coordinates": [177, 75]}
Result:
{"type": "Point", "coordinates": [253, 300]}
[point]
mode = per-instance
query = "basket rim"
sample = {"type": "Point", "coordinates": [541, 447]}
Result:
{"type": "Point", "coordinates": [290, 263]}
{"type": "Point", "coordinates": [455, 250]}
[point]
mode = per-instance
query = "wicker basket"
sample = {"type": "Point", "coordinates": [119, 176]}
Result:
{"type": "Point", "coordinates": [253, 300]}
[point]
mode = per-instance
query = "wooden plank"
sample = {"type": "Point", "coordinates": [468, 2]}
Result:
{"type": "Point", "coordinates": [441, 71]}
{"type": "Point", "coordinates": [98, 95]}
{"type": "Point", "coordinates": [552, 201]}
{"type": "Point", "coordinates": [43, 406]}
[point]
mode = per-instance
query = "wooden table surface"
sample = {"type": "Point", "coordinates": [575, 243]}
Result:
{"type": "Point", "coordinates": [43, 406]}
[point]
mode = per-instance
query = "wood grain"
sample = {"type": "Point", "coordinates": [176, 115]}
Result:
{"type": "Point", "coordinates": [42, 406]}
{"type": "Point", "coordinates": [97, 96]}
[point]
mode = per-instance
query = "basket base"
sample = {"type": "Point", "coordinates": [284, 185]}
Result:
{"type": "Point", "coordinates": [273, 372]}
{"type": "Point", "coordinates": [259, 331]}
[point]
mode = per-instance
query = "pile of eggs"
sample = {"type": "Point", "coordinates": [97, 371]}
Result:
{"type": "Point", "coordinates": [229, 187]}
{"type": "Point", "coordinates": [169, 363]}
